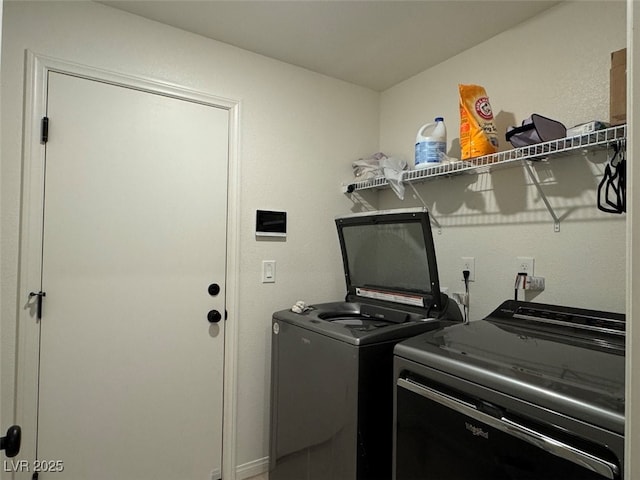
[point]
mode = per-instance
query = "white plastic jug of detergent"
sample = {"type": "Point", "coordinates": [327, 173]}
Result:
{"type": "Point", "coordinates": [431, 141]}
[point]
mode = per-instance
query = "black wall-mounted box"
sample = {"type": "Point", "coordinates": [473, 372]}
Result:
{"type": "Point", "coordinates": [271, 224]}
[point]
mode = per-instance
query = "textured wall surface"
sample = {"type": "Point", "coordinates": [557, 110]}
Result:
{"type": "Point", "coordinates": [556, 65]}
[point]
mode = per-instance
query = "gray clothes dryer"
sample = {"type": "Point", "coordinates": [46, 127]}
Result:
{"type": "Point", "coordinates": [332, 364]}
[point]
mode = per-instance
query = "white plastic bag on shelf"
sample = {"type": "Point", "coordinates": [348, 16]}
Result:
{"type": "Point", "coordinates": [392, 170]}
{"type": "Point", "coordinates": [368, 168]}
{"type": "Point", "coordinates": [379, 165]}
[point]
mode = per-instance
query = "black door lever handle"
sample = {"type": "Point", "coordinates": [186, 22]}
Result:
{"type": "Point", "coordinates": [11, 443]}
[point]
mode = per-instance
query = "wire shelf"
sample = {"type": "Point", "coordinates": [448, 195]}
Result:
{"type": "Point", "coordinates": [540, 151]}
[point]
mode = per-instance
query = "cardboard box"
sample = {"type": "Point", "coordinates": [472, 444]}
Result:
{"type": "Point", "coordinates": [618, 87]}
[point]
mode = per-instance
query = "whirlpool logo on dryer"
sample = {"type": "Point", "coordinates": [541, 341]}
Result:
{"type": "Point", "coordinates": [477, 431]}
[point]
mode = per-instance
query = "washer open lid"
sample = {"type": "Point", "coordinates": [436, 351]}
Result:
{"type": "Point", "coordinates": [389, 258]}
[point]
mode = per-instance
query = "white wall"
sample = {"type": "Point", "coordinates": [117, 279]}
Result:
{"type": "Point", "coordinates": [299, 132]}
{"type": "Point", "coordinates": [557, 65]}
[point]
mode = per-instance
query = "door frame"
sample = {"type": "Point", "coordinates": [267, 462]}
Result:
{"type": "Point", "coordinates": [37, 68]}
{"type": "Point", "coordinates": [2, 422]}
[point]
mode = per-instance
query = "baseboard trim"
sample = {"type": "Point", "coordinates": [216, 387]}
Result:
{"type": "Point", "coordinates": [253, 468]}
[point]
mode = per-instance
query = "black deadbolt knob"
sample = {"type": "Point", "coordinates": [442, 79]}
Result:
{"type": "Point", "coordinates": [214, 289]}
{"type": "Point", "coordinates": [214, 316]}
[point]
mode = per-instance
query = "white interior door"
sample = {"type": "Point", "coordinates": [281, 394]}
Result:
{"type": "Point", "coordinates": [131, 370]}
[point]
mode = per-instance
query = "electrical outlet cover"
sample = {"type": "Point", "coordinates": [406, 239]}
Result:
{"type": "Point", "coordinates": [468, 263]}
{"type": "Point", "coordinates": [525, 265]}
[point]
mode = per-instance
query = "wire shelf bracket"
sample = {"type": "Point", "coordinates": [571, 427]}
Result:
{"type": "Point", "coordinates": [534, 179]}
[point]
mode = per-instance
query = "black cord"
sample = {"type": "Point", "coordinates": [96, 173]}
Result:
{"type": "Point", "coordinates": [465, 275]}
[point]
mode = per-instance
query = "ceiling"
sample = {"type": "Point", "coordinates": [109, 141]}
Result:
{"type": "Point", "coordinates": [372, 43]}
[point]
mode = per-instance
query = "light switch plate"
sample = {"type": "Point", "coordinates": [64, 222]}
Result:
{"type": "Point", "coordinates": [268, 271]}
